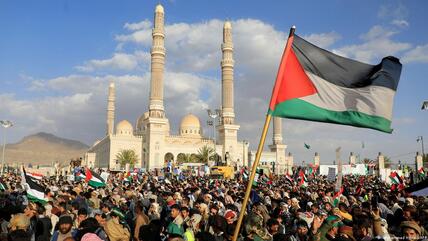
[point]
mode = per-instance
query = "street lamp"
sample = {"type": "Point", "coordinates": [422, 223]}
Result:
{"type": "Point", "coordinates": [421, 139]}
{"type": "Point", "coordinates": [213, 114]}
{"type": "Point", "coordinates": [6, 124]}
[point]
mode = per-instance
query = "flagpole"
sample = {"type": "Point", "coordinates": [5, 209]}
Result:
{"type": "Point", "coordinates": [262, 141]}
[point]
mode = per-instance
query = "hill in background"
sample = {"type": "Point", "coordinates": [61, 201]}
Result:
{"type": "Point", "coordinates": [44, 149]}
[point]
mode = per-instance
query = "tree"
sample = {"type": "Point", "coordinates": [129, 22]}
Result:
{"type": "Point", "coordinates": [205, 154]}
{"type": "Point", "coordinates": [185, 158]}
{"type": "Point", "coordinates": [127, 157]}
{"type": "Point", "coordinates": [388, 162]}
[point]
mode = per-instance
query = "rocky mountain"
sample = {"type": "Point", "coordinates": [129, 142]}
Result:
{"type": "Point", "coordinates": [44, 149]}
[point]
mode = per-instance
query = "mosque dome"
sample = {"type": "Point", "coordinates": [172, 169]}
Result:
{"type": "Point", "coordinates": [190, 125]}
{"type": "Point", "coordinates": [159, 9]}
{"type": "Point", "coordinates": [124, 128]}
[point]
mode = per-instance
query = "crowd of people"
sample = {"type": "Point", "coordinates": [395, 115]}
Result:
{"type": "Point", "coordinates": [200, 208]}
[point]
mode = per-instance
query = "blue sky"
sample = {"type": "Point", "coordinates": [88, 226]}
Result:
{"type": "Point", "coordinates": [57, 57]}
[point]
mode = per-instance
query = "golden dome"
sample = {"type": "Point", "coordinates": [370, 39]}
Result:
{"type": "Point", "coordinates": [190, 125]}
{"type": "Point", "coordinates": [159, 9]}
{"type": "Point", "coordinates": [190, 120]}
{"type": "Point", "coordinates": [124, 128]}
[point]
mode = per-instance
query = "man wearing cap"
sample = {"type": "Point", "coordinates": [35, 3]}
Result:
{"type": "Point", "coordinates": [410, 230]}
{"type": "Point", "coordinates": [65, 224]}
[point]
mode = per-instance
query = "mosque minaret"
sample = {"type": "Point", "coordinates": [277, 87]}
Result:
{"type": "Point", "coordinates": [228, 130]}
{"type": "Point", "coordinates": [227, 63]}
{"type": "Point", "coordinates": [151, 138]}
{"type": "Point", "coordinates": [110, 109]}
{"type": "Point", "coordinates": [156, 107]}
{"type": "Point", "coordinates": [278, 147]}
{"type": "Point", "coordinates": [277, 130]}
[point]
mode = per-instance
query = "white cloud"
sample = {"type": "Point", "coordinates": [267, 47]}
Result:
{"type": "Point", "coordinates": [120, 61]}
{"type": "Point", "coordinates": [378, 44]}
{"type": "Point", "coordinates": [142, 36]}
{"type": "Point", "coordinates": [49, 113]}
{"type": "Point", "coordinates": [418, 54]}
{"type": "Point", "coordinates": [377, 32]}
{"type": "Point", "coordinates": [400, 23]}
{"type": "Point", "coordinates": [323, 40]}
{"type": "Point", "coordinates": [394, 11]}
{"type": "Point", "coordinates": [145, 24]}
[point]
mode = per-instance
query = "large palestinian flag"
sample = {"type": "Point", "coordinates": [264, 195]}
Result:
{"type": "Point", "coordinates": [317, 85]}
{"type": "Point", "coordinates": [35, 191]}
{"type": "Point", "coordinates": [93, 179]}
{"type": "Point", "coordinates": [418, 189]}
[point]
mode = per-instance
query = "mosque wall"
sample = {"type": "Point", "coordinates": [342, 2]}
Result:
{"type": "Point", "coordinates": [119, 143]}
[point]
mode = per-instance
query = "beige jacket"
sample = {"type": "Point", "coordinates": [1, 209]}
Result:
{"type": "Point", "coordinates": [116, 231]}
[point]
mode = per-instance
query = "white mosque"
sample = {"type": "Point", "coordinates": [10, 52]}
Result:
{"type": "Point", "coordinates": [151, 138]}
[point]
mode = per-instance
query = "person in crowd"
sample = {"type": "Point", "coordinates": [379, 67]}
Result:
{"type": "Point", "coordinates": [141, 219]}
{"type": "Point", "coordinates": [115, 228]}
{"type": "Point", "coordinates": [43, 225]}
{"type": "Point", "coordinates": [65, 229]}
{"type": "Point", "coordinates": [176, 224]}
{"type": "Point", "coordinates": [410, 230]}
{"type": "Point", "coordinates": [18, 226]}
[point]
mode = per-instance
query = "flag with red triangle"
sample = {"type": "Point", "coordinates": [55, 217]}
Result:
{"type": "Point", "coordinates": [303, 181]}
{"type": "Point", "coordinates": [421, 172]}
{"type": "Point", "coordinates": [93, 179]}
{"type": "Point", "coordinates": [336, 197]}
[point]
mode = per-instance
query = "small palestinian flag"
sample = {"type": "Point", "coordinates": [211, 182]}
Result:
{"type": "Point", "coordinates": [421, 172]}
{"type": "Point", "coordinates": [394, 178]}
{"type": "Point", "coordinates": [244, 173]}
{"type": "Point", "coordinates": [256, 177]}
{"type": "Point", "coordinates": [128, 176]}
{"type": "Point", "coordinates": [336, 197]}
{"type": "Point", "coordinates": [80, 176]}
{"type": "Point", "coordinates": [3, 186]}
{"type": "Point", "coordinates": [303, 181]}
{"type": "Point", "coordinates": [35, 191]}
{"type": "Point", "coordinates": [93, 179]}
{"type": "Point", "coordinates": [312, 169]}
{"type": "Point", "coordinates": [317, 85]}
{"type": "Point", "coordinates": [360, 185]}
{"type": "Point", "coordinates": [288, 177]}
